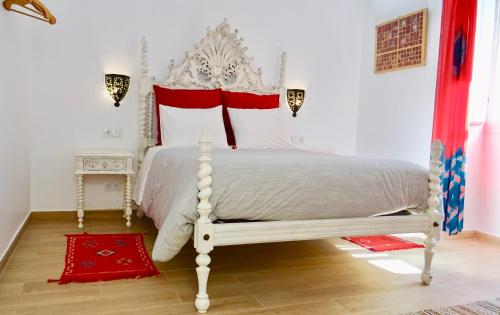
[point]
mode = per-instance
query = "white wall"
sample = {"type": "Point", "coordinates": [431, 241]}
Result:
{"type": "Point", "coordinates": [490, 213]}
{"type": "Point", "coordinates": [482, 200]}
{"type": "Point", "coordinates": [15, 86]}
{"type": "Point", "coordinates": [324, 41]}
{"type": "Point", "coordinates": [474, 198]}
{"type": "Point", "coordinates": [396, 108]}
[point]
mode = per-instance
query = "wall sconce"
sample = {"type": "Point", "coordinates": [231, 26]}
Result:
{"type": "Point", "coordinates": [117, 86]}
{"type": "Point", "coordinates": [295, 98]}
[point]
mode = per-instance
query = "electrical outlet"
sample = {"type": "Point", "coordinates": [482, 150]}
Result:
{"type": "Point", "coordinates": [297, 139]}
{"type": "Point", "coordinates": [112, 133]}
{"type": "Point", "coordinates": [112, 187]}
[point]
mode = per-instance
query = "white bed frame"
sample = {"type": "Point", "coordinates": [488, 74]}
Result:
{"type": "Point", "coordinates": [219, 61]}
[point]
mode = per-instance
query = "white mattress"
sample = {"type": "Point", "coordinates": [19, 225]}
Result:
{"type": "Point", "coordinates": [271, 185]}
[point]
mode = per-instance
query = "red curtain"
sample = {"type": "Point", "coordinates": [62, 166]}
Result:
{"type": "Point", "coordinates": [456, 54]}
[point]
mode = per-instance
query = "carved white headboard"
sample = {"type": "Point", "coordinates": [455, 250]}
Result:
{"type": "Point", "coordinates": [218, 61]}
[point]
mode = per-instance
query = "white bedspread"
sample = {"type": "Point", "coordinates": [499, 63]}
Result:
{"type": "Point", "coordinates": [271, 185]}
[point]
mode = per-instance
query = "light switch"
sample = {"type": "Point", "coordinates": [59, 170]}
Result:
{"type": "Point", "coordinates": [297, 139]}
{"type": "Point", "coordinates": [112, 133]}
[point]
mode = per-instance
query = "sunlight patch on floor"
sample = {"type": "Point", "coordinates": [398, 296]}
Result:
{"type": "Point", "coordinates": [397, 266]}
{"type": "Point", "coordinates": [384, 260]}
{"type": "Point", "coordinates": [348, 247]}
{"type": "Point", "coordinates": [409, 236]}
{"type": "Point", "coordinates": [370, 255]}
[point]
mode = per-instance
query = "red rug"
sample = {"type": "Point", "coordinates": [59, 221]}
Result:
{"type": "Point", "coordinates": [102, 257]}
{"type": "Point", "coordinates": [382, 243]}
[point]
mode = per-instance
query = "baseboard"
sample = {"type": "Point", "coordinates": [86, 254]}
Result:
{"type": "Point", "coordinates": [488, 237]}
{"type": "Point", "coordinates": [10, 248]}
{"type": "Point", "coordinates": [71, 214]}
{"type": "Point", "coordinates": [134, 207]}
{"type": "Point", "coordinates": [473, 235]}
{"type": "Point", "coordinates": [460, 236]}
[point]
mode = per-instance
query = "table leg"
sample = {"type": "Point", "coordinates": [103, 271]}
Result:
{"type": "Point", "coordinates": [80, 200]}
{"type": "Point", "coordinates": [128, 202]}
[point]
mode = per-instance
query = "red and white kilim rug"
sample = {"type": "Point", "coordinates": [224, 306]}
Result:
{"type": "Point", "coordinates": [101, 257]}
{"type": "Point", "coordinates": [382, 243]}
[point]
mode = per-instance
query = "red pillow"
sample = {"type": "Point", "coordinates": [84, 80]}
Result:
{"type": "Point", "coordinates": [249, 100]}
{"type": "Point", "coordinates": [191, 99]}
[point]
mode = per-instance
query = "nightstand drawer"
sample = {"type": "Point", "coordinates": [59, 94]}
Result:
{"type": "Point", "coordinates": [104, 164]}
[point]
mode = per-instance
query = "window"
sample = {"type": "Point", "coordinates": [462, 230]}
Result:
{"type": "Point", "coordinates": [484, 98]}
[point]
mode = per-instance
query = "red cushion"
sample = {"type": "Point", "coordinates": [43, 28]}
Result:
{"type": "Point", "coordinates": [191, 99]}
{"type": "Point", "coordinates": [188, 98]}
{"type": "Point", "coordinates": [250, 100]}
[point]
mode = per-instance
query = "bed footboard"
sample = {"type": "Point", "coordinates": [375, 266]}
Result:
{"type": "Point", "coordinates": [278, 231]}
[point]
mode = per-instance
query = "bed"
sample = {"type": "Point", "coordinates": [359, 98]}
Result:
{"type": "Point", "coordinates": [229, 197]}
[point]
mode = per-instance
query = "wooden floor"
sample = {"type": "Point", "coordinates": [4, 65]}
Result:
{"type": "Point", "coordinates": [310, 277]}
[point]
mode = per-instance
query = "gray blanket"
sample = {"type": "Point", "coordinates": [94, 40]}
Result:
{"type": "Point", "coordinates": [274, 185]}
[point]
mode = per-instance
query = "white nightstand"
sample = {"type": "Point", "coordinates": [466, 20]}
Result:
{"type": "Point", "coordinates": [106, 162]}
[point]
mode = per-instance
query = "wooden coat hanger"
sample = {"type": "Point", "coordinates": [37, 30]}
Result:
{"type": "Point", "coordinates": [41, 11]}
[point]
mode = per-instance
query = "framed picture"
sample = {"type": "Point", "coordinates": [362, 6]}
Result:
{"type": "Point", "coordinates": [401, 43]}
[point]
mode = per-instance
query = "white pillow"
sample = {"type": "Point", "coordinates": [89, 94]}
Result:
{"type": "Point", "coordinates": [182, 127]}
{"type": "Point", "coordinates": [260, 128]}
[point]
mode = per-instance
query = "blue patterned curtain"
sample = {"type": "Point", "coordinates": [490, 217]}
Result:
{"type": "Point", "coordinates": [456, 52]}
{"type": "Point", "coordinates": [453, 181]}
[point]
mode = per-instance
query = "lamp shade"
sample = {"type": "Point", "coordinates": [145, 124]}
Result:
{"type": "Point", "coordinates": [117, 86]}
{"type": "Point", "coordinates": [295, 98]}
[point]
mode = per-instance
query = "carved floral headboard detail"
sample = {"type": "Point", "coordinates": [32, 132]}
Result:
{"type": "Point", "coordinates": [218, 60]}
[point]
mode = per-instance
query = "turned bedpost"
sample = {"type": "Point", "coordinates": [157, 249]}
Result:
{"type": "Point", "coordinates": [434, 209]}
{"type": "Point", "coordinates": [203, 228]}
{"type": "Point", "coordinates": [145, 112]}
{"type": "Point", "coordinates": [281, 81]}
